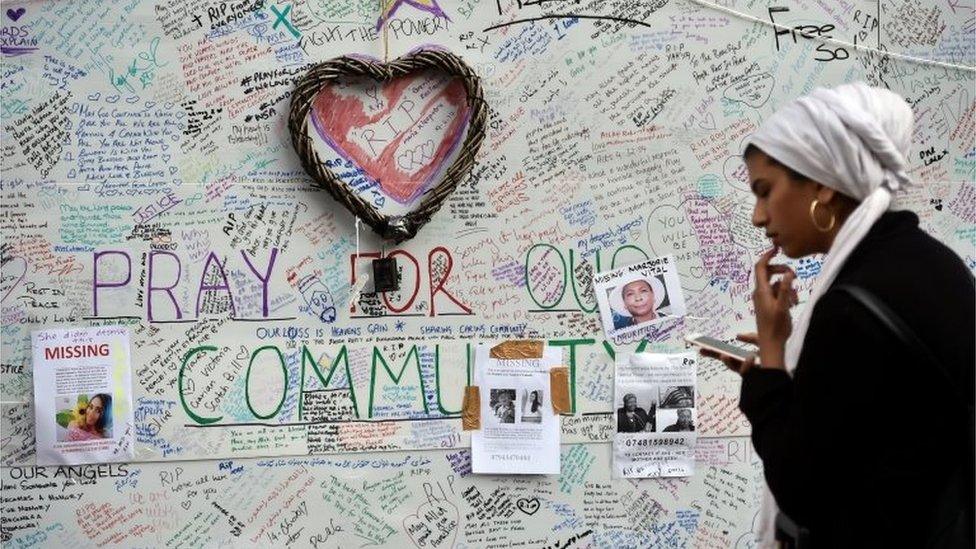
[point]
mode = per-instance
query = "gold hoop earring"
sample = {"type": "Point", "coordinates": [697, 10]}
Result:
{"type": "Point", "coordinates": [813, 218]}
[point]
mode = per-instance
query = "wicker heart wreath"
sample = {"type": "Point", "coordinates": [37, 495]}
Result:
{"type": "Point", "coordinates": [323, 75]}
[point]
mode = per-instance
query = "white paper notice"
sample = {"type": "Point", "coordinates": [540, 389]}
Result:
{"type": "Point", "coordinates": [83, 395]}
{"type": "Point", "coordinates": [519, 432]}
{"type": "Point", "coordinates": [637, 296]}
{"type": "Point", "coordinates": [654, 397]}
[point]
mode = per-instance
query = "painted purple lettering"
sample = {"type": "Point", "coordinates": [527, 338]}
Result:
{"type": "Point", "coordinates": [168, 289]}
{"type": "Point", "coordinates": [204, 287]}
{"type": "Point", "coordinates": [264, 279]}
{"type": "Point", "coordinates": [95, 283]}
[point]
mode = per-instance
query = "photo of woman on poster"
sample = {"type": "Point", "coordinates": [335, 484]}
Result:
{"type": "Point", "coordinates": [532, 406]}
{"type": "Point", "coordinates": [90, 419]}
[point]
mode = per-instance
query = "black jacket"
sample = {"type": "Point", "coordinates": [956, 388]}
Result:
{"type": "Point", "coordinates": [859, 443]}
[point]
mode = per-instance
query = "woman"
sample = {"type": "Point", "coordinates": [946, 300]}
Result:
{"type": "Point", "coordinates": [826, 396]}
{"type": "Point", "coordinates": [682, 423]}
{"type": "Point", "coordinates": [640, 299]}
{"type": "Point", "coordinates": [631, 419]}
{"type": "Point", "coordinates": [532, 409]}
{"type": "Point", "coordinates": [92, 426]}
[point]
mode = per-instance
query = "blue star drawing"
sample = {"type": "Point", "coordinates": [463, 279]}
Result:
{"type": "Point", "coordinates": [399, 326]}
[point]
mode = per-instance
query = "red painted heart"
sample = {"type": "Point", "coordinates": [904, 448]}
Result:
{"type": "Point", "coordinates": [398, 124]}
{"type": "Point", "coordinates": [400, 132]}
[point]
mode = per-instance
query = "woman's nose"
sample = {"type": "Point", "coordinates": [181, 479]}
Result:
{"type": "Point", "coordinates": [758, 216]}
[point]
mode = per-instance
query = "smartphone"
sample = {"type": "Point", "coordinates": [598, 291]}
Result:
{"type": "Point", "coordinates": [719, 346]}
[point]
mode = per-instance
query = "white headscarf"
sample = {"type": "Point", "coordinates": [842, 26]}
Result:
{"type": "Point", "coordinates": [853, 139]}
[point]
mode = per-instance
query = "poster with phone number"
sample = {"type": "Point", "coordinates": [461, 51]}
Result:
{"type": "Point", "coordinates": [654, 397]}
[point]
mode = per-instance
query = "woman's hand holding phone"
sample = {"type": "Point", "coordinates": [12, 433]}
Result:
{"type": "Point", "coordinates": [772, 301]}
{"type": "Point", "coordinates": [733, 363]}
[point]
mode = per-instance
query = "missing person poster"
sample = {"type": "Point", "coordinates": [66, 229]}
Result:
{"type": "Point", "coordinates": [637, 296]}
{"type": "Point", "coordinates": [83, 395]}
{"type": "Point", "coordinates": [654, 397]}
{"type": "Point", "coordinates": [519, 431]}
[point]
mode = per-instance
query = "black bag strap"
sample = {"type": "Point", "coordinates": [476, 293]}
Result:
{"type": "Point", "coordinates": [950, 525]}
{"type": "Point", "coordinates": [895, 324]}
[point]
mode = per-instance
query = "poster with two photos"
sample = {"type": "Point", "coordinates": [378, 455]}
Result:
{"type": "Point", "coordinates": [655, 399]}
{"type": "Point", "coordinates": [519, 431]}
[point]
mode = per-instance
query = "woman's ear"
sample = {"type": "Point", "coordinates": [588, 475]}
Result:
{"type": "Point", "coordinates": [825, 194]}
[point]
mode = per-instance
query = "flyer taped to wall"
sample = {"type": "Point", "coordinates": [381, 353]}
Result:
{"type": "Point", "coordinates": [83, 395]}
{"type": "Point", "coordinates": [519, 431]}
{"type": "Point", "coordinates": [654, 398]}
{"type": "Point", "coordinates": [637, 296]}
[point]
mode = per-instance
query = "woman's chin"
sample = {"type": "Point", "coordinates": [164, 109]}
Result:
{"type": "Point", "coordinates": [788, 251]}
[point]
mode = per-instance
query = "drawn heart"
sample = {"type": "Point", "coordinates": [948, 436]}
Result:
{"type": "Point", "coordinates": [14, 14]}
{"type": "Point", "coordinates": [708, 123]}
{"type": "Point", "coordinates": [12, 273]}
{"type": "Point", "coordinates": [736, 175]}
{"type": "Point", "coordinates": [529, 506]}
{"type": "Point", "coordinates": [407, 131]}
{"type": "Point", "coordinates": [434, 525]}
{"type": "Point", "coordinates": [753, 90]}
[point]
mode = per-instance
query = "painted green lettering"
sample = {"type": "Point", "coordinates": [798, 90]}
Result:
{"type": "Point", "coordinates": [343, 356]}
{"type": "Point", "coordinates": [179, 380]}
{"type": "Point", "coordinates": [437, 379]}
{"type": "Point", "coordinates": [528, 279]}
{"type": "Point", "coordinates": [247, 382]}
{"type": "Point", "coordinates": [396, 378]}
{"type": "Point", "coordinates": [613, 355]}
